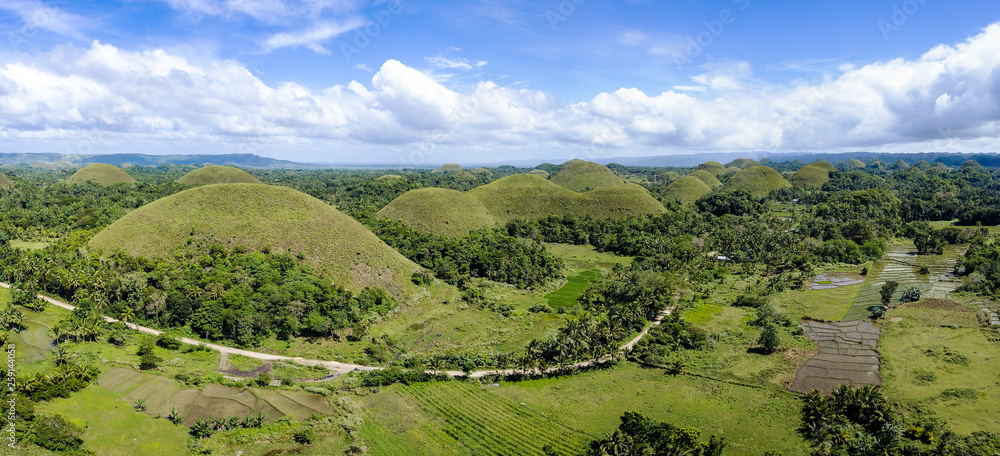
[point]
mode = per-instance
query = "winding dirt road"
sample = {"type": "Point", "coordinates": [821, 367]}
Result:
{"type": "Point", "coordinates": [337, 368]}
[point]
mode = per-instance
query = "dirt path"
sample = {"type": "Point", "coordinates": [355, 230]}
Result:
{"type": "Point", "coordinates": [338, 368]}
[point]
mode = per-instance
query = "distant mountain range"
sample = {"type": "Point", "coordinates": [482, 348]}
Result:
{"type": "Point", "coordinates": [74, 161]}
{"type": "Point", "coordinates": [256, 161]}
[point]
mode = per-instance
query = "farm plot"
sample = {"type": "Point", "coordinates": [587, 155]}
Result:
{"type": "Point", "coordinates": [33, 342]}
{"type": "Point", "coordinates": [489, 425]}
{"type": "Point", "coordinates": [567, 295]}
{"type": "Point", "coordinates": [847, 356]}
{"type": "Point", "coordinates": [902, 264]}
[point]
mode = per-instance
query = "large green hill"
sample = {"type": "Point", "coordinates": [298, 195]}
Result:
{"type": "Point", "coordinates": [813, 175]}
{"type": "Point", "coordinates": [582, 176]}
{"type": "Point", "coordinates": [100, 174]}
{"type": "Point", "coordinates": [449, 168]}
{"type": "Point", "coordinates": [519, 196]}
{"type": "Point", "coordinates": [708, 178]}
{"type": "Point", "coordinates": [757, 180]}
{"type": "Point", "coordinates": [713, 167]}
{"type": "Point", "coordinates": [5, 182]}
{"type": "Point", "coordinates": [439, 210]}
{"type": "Point", "coordinates": [209, 175]}
{"type": "Point", "coordinates": [688, 189]}
{"type": "Point", "coordinates": [257, 216]}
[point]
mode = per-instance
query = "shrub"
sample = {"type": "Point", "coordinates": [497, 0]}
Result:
{"type": "Point", "coordinates": [146, 346]}
{"type": "Point", "coordinates": [887, 290]}
{"type": "Point", "coordinates": [911, 294]}
{"type": "Point", "coordinates": [540, 308]}
{"type": "Point", "coordinates": [56, 434]}
{"type": "Point", "coordinates": [150, 361]}
{"type": "Point", "coordinates": [168, 342]}
{"type": "Point", "coordinates": [263, 380]}
{"type": "Point", "coordinates": [305, 436]}
{"type": "Point", "coordinates": [751, 300]}
{"type": "Point", "coordinates": [117, 338]}
{"type": "Point", "coordinates": [769, 339]}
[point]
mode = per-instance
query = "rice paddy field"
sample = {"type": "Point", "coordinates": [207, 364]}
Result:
{"type": "Point", "coordinates": [902, 264]}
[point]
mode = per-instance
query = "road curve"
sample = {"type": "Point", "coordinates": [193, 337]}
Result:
{"type": "Point", "coordinates": [337, 368]}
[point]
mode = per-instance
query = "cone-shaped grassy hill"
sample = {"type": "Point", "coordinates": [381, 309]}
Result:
{"type": "Point", "coordinates": [900, 165]}
{"type": "Point", "coordinates": [922, 165]}
{"type": "Point", "coordinates": [540, 173]}
{"type": "Point", "coordinates": [708, 178]}
{"type": "Point", "coordinates": [582, 176]}
{"type": "Point", "coordinates": [742, 163]}
{"type": "Point", "coordinates": [5, 182]}
{"type": "Point", "coordinates": [209, 175]}
{"type": "Point", "coordinates": [100, 174]}
{"type": "Point", "coordinates": [519, 196]}
{"type": "Point", "coordinates": [449, 168]}
{"type": "Point", "coordinates": [688, 189]}
{"type": "Point", "coordinates": [813, 175]}
{"type": "Point", "coordinates": [439, 211]}
{"type": "Point", "coordinates": [257, 216]}
{"type": "Point", "coordinates": [389, 178]}
{"type": "Point", "coordinates": [855, 163]}
{"type": "Point", "coordinates": [760, 181]}
{"type": "Point", "coordinates": [714, 168]}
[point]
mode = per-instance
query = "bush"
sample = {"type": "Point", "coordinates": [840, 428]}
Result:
{"type": "Point", "coordinates": [887, 290]}
{"type": "Point", "coordinates": [305, 436]}
{"type": "Point", "coordinates": [150, 361]}
{"type": "Point", "coordinates": [911, 294]}
{"type": "Point", "coordinates": [751, 300]}
{"type": "Point", "coordinates": [540, 308]}
{"type": "Point", "coordinates": [146, 346]}
{"type": "Point", "coordinates": [769, 340]}
{"type": "Point", "coordinates": [117, 338]}
{"type": "Point", "coordinates": [168, 342]}
{"type": "Point", "coordinates": [56, 434]}
{"type": "Point", "coordinates": [263, 380]}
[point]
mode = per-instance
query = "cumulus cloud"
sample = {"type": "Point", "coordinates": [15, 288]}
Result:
{"type": "Point", "coordinates": [950, 93]}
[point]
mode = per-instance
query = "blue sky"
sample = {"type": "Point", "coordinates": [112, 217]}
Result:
{"type": "Point", "coordinates": [418, 82]}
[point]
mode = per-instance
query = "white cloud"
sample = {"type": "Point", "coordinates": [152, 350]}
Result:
{"type": "Point", "coordinates": [455, 63]}
{"type": "Point", "coordinates": [36, 14]}
{"type": "Point", "coordinates": [364, 67]}
{"type": "Point", "coordinates": [947, 99]}
{"type": "Point", "coordinates": [312, 38]}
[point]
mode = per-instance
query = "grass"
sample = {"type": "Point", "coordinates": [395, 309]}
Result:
{"type": "Point", "coordinates": [567, 295]}
{"type": "Point", "coordinates": [935, 355]}
{"type": "Point", "coordinates": [439, 211]}
{"type": "Point", "coordinates": [751, 419]}
{"type": "Point", "coordinates": [742, 163]}
{"type": "Point", "coordinates": [586, 257]}
{"type": "Point", "coordinates": [540, 173]}
{"type": "Point", "coordinates": [759, 181]}
{"type": "Point", "coordinates": [521, 196]}
{"type": "Point", "coordinates": [101, 174]}
{"type": "Point", "coordinates": [253, 215]}
{"type": "Point", "coordinates": [243, 363]}
{"type": "Point", "coordinates": [830, 304]}
{"type": "Point", "coordinates": [813, 175]}
{"type": "Point", "coordinates": [460, 418]}
{"type": "Point", "coordinates": [583, 176]}
{"type": "Point", "coordinates": [707, 177]}
{"type": "Point", "coordinates": [712, 167]}
{"type": "Point", "coordinates": [5, 182]}
{"type": "Point", "coordinates": [29, 245]}
{"type": "Point", "coordinates": [449, 168]}
{"type": "Point", "coordinates": [217, 175]}
{"type": "Point", "coordinates": [855, 163]}
{"type": "Point", "coordinates": [688, 189]}
{"type": "Point", "coordinates": [114, 428]}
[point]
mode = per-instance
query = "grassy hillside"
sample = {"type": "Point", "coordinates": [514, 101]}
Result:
{"type": "Point", "coordinates": [742, 163]}
{"type": "Point", "coordinates": [449, 168]}
{"type": "Point", "coordinates": [255, 216]}
{"type": "Point", "coordinates": [813, 175]}
{"type": "Point", "coordinates": [708, 178]}
{"type": "Point", "coordinates": [439, 210]}
{"type": "Point", "coordinates": [5, 182]}
{"type": "Point", "coordinates": [758, 180]}
{"type": "Point", "coordinates": [582, 176]}
{"type": "Point", "coordinates": [540, 173]}
{"type": "Point", "coordinates": [519, 196]}
{"type": "Point", "coordinates": [855, 163]}
{"type": "Point", "coordinates": [100, 174]}
{"type": "Point", "coordinates": [713, 168]}
{"type": "Point", "coordinates": [900, 164]}
{"type": "Point", "coordinates": [688, 189]}
{"type": "Point", "coordinates": [389, 178]}
{"type": "Point", "coordinates": [217, 175]}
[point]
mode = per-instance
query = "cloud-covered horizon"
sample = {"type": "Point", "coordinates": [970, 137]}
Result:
{"type": "Point", "coordinates": [947, 99]}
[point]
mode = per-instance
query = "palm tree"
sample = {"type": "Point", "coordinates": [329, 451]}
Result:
{"type": "Point", "coordinates": [127, 315]}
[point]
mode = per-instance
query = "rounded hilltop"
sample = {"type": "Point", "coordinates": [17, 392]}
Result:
{"type": "Point", "coordinates": [582, 176]}
{"type": "Point", "coordinates": [100, 174]}
{"type": "Point", "coordinates": [448, 168]}
{"type": "Point", "coordinates": [759, 181]}
{"type": "Point", "coordinates": [519, 196]}
{"type": "Point", "coordinates": [211, 174]}
{"type": "Point", "coordinates": [708, 178]}
{"type": "Point", "coordinates": [712, 167]}
{"type": "Point", "coordinates": [688, 189]}
{"type": "Point", "coordinates": [259, 217]}
{"type": "Point", "coordinates": [813, 175]}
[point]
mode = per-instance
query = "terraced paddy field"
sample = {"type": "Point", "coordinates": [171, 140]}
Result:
{"type": "Point", "coordinates": [214, 401]}
{"type": "Point", "coordinates": [902, 264]}
{"type": "Point", "coordinates": [567, 295]}
{"type": "Point", "coordinates": [937, 355]}
{"type": "Point", "coordinates": [460, 418]}
{"type": "Point", "coordinates": [848, 356]}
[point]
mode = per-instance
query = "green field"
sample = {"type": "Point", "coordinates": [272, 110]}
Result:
{"type": "Point", "coordinates": [459, 418]}
{"type": "Point", "coordinates": [567, 295]}
{"type": "Point", "coordinates": [29, 245]}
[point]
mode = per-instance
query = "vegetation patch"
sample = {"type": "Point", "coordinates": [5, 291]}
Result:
{"type": "Point", "coordinates": [567, 295]}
